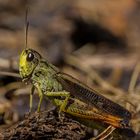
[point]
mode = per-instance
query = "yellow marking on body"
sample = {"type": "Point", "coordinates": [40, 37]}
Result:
{"type": "Point", "coordinates": [23, 60]}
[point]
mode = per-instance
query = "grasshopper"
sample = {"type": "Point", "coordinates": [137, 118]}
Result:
{"type": "Point", "coordinates": [72, 96]}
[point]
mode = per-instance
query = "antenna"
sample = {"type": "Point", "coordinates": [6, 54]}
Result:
{"type": "Point", "coordinates": [26, 26]}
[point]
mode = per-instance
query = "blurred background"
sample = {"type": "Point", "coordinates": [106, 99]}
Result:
{"type": "Point", "coordinates": [98, 42]}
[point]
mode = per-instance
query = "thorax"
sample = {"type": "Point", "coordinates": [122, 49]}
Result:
{"type": "Point", "coordinates": [43, 76]}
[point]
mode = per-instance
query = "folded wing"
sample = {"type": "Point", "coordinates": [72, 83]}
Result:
{"type": "Point", "coordinates": [91, 97]}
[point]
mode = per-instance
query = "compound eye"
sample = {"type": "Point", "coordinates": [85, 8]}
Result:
{"type": "Point", "coordinates": [30, 57]}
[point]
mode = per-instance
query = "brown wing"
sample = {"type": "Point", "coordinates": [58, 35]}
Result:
{"type": "Point", "coordinates": [91, 97]}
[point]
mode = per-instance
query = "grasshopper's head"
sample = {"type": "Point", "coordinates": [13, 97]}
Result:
{"type": "Point", "coordinates": [29, 59]}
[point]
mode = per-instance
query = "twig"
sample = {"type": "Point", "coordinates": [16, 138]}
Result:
{"type": "Point", "coordinates": [105, 133]}
{"type": "Point", "coordinates": [134, 78]}
{"type": "Point", "coordinates": [12, 74]}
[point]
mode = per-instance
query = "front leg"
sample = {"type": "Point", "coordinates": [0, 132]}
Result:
{"type": "Point", "coordinates": [58, 94]}
{"type": "Point", "coordinates": [40, 97]}
{"type": "Point", "coordinates": [31, 98]}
